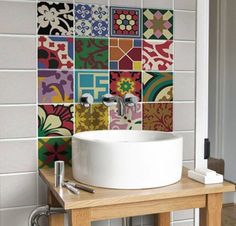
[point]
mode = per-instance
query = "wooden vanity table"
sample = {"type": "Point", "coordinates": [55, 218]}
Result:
{"type": "Point", "coordinates": [110, 203]}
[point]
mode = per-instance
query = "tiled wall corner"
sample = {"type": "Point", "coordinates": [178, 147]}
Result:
{"type": "Point", "coordinates": [45, 67]}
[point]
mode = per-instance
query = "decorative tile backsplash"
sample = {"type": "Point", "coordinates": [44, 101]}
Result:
{"type": "Point", "coordinates": [96, 49]}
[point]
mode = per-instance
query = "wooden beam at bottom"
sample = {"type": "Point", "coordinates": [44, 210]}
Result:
{"type": "Point", "coordinates": [211, 214]}
{"type": "Point", "coordinates": [79, 217]}
{"type": "Point", "coordinates": [162, 219]}
{"type": "Point", "coordinates": [148, 207]}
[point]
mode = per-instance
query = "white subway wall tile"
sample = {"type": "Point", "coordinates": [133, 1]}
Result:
{"type": "Point", "coordinates": [18, 156]}
{"type": "Point", "coordinates": [183, 214]}
{"type": "Point", "coordinates": [183, 223]}
{"type": "Point", "coordinates": [188, 144]}
{"type": "Point", "coordinates": [184, 56]}
{"type": "Point", "coordinates": [185, 24]}
{"type": "Point", "coordinates": [185, 4]}
{"type": "Point", "coordinates": [158, 4]}
{"type": "Point", "coordinates": [130, 3]}
{"type": "Point", "coordinates": [17, 121]}
{"type": "Point", "coordinates": [17, 52]}
{"type": "Point", "coordinates": [15, 217]}
{"type": "Point", "coordinates": [188, 164]}
{"type": "Point", "coordinates": [18, 190]}
{"type": "Point", "coordinates": [42, 192]}
{"type": "Point", "coordinates": [17, 87]}
{"type": "Point", "coordinates": [184, 86]}
{"type": "Point", "coordinates": [101, 223]}
{"type": "Point", "coordinates": [184, 116]}
{"type": "Point", "coordinates": [115, 222]}
{"type": "Point", "coordinates": [17, 17]}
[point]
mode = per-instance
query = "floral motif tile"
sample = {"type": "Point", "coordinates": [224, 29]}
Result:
{"type": "Point", "coordinates": [157, 55]}
{"type": "Point", "coordinates": [91, 20]}
{"type": "Point", "coordinates": [55, 18]}
{"type": "Point", "coordinates": [157, 24]}
{"type": "Point", "coordinates": [94, 118]}
{"type": "Point", "coordinates": [132, 120]}
{"type": "Point", "coordinates": [93, 82]}
{"type": "Point", "coordinates": [91, 53]}
{"type": "Point", "coordinates": [157, 86]}
{"type": "Point", "coordinates": [55, 86]}
{"type": "Point", "coordinates": [53, 149]}
{"type": "Point", "coordinates": [55, 120]}
{"type": "Point", "coordinates": [158, 116]}
{"type": "Point", "coordinates": [55, 52]}
{"type": "Point", "coordinates": [125, 22]}
{"type": "Point", "coordinates": [122, 83]}
{"type": "Point", "coordinates": [125, 54]}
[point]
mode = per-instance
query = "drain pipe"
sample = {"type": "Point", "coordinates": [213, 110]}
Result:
{"type": "Point", "coordinates": [43, 211]}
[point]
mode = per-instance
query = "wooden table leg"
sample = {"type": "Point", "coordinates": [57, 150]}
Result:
{"type": "Point", "coordinates": [79, 217]}
{"type": "Point", "coordinates": [162, 219]}
{"type": "Point", "coordinates": [211, 214]}
{"type": "Point", "coordinates": [57, 219]}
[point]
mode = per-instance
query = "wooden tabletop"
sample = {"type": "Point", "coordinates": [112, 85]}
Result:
{"type": "Point", "coordinates": [103, 197]}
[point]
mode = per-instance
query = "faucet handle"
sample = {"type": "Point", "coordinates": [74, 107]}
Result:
{"type": "Point", "coordinates": [131, 100]}
{"type": "Point", "coordinates": [86, 100]}
{"type": "Point", "coordinates": [109, 100]}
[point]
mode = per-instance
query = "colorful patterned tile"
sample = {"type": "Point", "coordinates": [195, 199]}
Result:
{"type": "Point", "coordinates": [91, 20]}
{"type": "Point", "coordinates": [93, 82]}
{"type": "Point", "coordinates": [53, 149]}
{"type": "Point", "coordinates": [91, 53]}
{"type": "Point", "coordinates": [125, 22]}
{"type": "Point", "coordinates": [158, 116]}
{"type": "Point", "coordinates": [55, 120]}
{"type": "Point", "coordinates": [131, 120]}
{"type": "Point", "coordinates": [122, 83]}
{"type": "Point", "coordinates": [157, 24]}
{"type": "Point", "coordinates": [157, 86]}
{"type": "Point", "coordinates": [125, 54]}
{"type": "Point", "coordinates": [55, 86]}
{"type": "Point", "coordinates": [157, 55]}
{"type": "Point", "coordinates": [55, 18]}
{"type": "Point", "coordinates": [55, 52]}
{"type": "Point", "coordinates": [87, 119]}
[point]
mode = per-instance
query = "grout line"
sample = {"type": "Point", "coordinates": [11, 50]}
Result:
{"type": "Point", "coordinates": [17, 208]}
{"type": "Point", "coordinates": [18, 139]}
{"type": "Point", "coordinates": [18, 174]}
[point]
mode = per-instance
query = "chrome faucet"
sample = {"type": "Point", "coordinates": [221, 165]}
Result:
{"type": "Point", "coordinates": [110, 100]}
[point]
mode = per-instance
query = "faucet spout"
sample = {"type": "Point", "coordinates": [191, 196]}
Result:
{"type": "Point", "coordinates": [120, 106]}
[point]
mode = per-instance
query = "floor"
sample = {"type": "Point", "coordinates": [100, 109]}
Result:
{"type": "Point", "coordinates": [229, 216]}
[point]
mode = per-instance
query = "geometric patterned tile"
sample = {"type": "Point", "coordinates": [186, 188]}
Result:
{"type": "Point", "coordinates": [157, 55]}
{"type": "Point", "coordinates": [55, 52]}
{"type": "Point", "coordinates": [125, 82]}
{"type": "Point", "coordinates": [157, 24]}
{"type": "Point", "coordinates": [93, 82]}
{"type": "Point", "coordinates": [158, 116]}
{"type": "Point", "coordinates": [55, 86]}
{"type": "Point", "coordinates": [91, 20]}
{"type": "Point", "coordinates": [132, 120]}
{"type": "Point", "coordinates": [53, 149]}
{"type": "Point", "coordinates": [55, 120]}
{"type": "Point", "coordinates": [157, 86]}
{"type": "Point", "coordinates": [91, 53]}
{"type": "Point", "coordinates": [125, 22]}
{"type": "Point", "coordinates": [93, 118]}
{"type": "Point", "coordinates": [125, 54]}
{"type": "Point", "coordinates": [55, 18]}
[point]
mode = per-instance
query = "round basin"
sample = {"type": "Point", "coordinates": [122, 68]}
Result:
{"type": "Point", "coordinates": [125, 159]}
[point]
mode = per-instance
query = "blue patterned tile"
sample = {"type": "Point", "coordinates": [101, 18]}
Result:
{"type": "Point", "coordinates": [91, 20]}
{"type": "Point", "coordinates": [93, 82]}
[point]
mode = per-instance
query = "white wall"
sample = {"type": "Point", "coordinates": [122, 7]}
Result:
{"type": "Point", "coordinates": [229, 135]}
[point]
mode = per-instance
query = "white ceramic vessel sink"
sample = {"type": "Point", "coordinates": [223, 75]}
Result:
{"type": "Point", "coordinates": [125, 159]}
